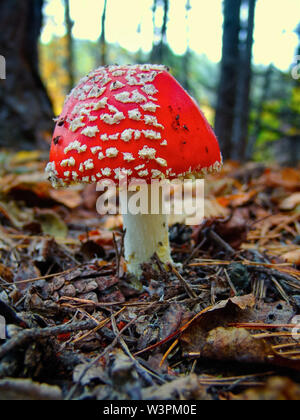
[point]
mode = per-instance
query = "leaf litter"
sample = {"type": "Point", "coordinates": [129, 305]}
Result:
{"type": "Point", "coordinates": [224, 326]}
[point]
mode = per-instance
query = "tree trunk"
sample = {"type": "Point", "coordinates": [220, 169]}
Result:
{"type": "Point", "coordinates": [103, 46]}
{"type": "Point", "coordinates": [241, 123]}
{"type": "Point", "coordinates": [158, 50]}
{"type": "Point", "coordinates": [186, 59]}
{"type": "Point", "coordinates": [259, 114]}
{"type": "Point", "coordinates": [70, 46]}
{"type": "Point", "coordinates": [25, 109]}
{"type": "Point", "coordinates": [229, 76]}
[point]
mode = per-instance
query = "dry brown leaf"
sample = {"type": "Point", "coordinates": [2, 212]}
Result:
{"type": "Point", "coordinates": [235, 344]}
{"type": "Point", "coordinates": [234, 231]}
{"type": "Point", "coordinates": [223, 313]}
{"type": "Point", "coordinates": [276, 389]}
{"type": "Point", "coordinates": [69, 198]}
{"type": "Point", "coordinates": [291, 202]}
{"type": "Point", "coordinates": [237, 200]}
{"type": "Point", "coordinates": [288, 178]}
{"type": "Point", "coordinates": [6, 273]}
{"type": "Point", "coordinates": [292, 257]}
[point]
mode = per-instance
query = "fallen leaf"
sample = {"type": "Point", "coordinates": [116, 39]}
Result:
{"type": "Point", "coordinates": [288, 178]}
{"type": "Point", "coordinates": [6, 273]}
{"type": "Point", "coordinates": [291, 202]}
{"type": "Point", "coordinates": [237, 200]}
{"type": "Point", "coordinates": [276, 389]}
{"type": "Point", "coordinates": [69, 198]}
{"type": "Point", "coordinates": [292, 257]}
{"type": "Point", "coordinates": [223, 313]}
{"type": "Point", "coordinates": [234, 231]}
{"type": "Point", "coordinates": [235, 344]}
{"type": "Point", "coordinates": [52, 224]}
{"type": "Point", "coordinates": [187, 388]}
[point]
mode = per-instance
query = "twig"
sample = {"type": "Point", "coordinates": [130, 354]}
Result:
{"type": "Point", "coordinates": [194, 252]}
{"type": "Point", "coordinates": [49, 276]}
{"type": "Point", "coordinates": [217, 239]}
{"type": "Point", "coordinates": [96, 360]}
{"type": "Point", "coordinates": [145, 373]}
{"type": "Point", "coordinates": [100, 325]}
{"type": "Point", "coordinates": [36, 333]}
{"type": "Point", "coordinates": [260, 325]}
{"type": "Point", "coordinates": [190, 292]}
{"type": "Point", "coordinates": [230, 282]}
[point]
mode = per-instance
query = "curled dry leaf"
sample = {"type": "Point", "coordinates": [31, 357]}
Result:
{"type": "Point", "coordinates": [288, 178]}
{"type": "Point", "coordinates": [234, 231]}
{"type": "Point", "coordinates": [70, 198]}
{"type": "Point", "coordinates": [6, 273]}
{"type": "Point", "coordinates": [235, 309]}
{"type": "Point", "coordinates": [185, 388]}
{"type": "Point", "coordinates": [52, 224]}
{"type": "Point", "coordinates": [292, 256]}
{"type": "Point", "coordinates": [276, 389]}
{"type": "Point", "coordinates": [237, 200]}
{"type": "Point", "coordinates": [235, 344]}
{"type": "Point", "coordinates": [291, 202]}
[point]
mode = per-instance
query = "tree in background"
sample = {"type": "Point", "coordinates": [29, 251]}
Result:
{"type": "Point", "coordinates": [102, 40]}
{"type": "Point", "coordinates": [70, 60]}
{"type": "Point", "coordinates": [259, 111]}
{"type": "Point", "coordinates": [242, 106]}
{"type": "Point", "coordinates": [229, 76]}
{"type": "Point", "coordinates": [25, 108]}
{"type": "Point", "coordinates": [159, 48]}
{"type": "Point", "coordinates": [186, 59]}
{"type": "Point", "coordinates": [233, 104]}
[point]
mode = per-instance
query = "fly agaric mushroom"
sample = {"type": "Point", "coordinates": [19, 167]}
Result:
{"type": "Point", "coordinates": [136, 120]}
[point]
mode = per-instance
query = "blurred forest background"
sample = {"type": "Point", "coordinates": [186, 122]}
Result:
{"type": "Point", "coordinates": [254, 107]}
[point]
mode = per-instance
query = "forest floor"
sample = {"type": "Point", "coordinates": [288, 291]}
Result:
{"type": "Point", "coordinates": [226, 326]}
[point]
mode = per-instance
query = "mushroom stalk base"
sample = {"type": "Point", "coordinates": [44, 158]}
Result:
{"type": "Point", "coordinates": [146, 234]}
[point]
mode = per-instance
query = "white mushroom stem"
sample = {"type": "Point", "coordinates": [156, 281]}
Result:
{"type": "Point", "coordinates": [146, 234]}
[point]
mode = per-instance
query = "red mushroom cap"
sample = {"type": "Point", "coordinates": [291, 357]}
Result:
{"type": "Point", "coordinates": [135, 120]}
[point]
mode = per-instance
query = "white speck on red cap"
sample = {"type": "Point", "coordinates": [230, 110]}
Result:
{"type": "Point", "coordinates": [150, 107]}
{"type": "Point", "coordinates": [89, 164]}
{"type": "Point", "coordinates": [128, 157]}
{"type": "Point", "coordinates": [162, 162]}
{"type": "Point", "coordinates": [96, 92]}
{"type": "Point", "coordinates": [112, 152]}
{"type": "Point", "coordinates": [135, 115]}
{"type": "Point", "coordinates": [96, 149]}
{"type": "Point", "coordinates": [116, 85]}
{"type": "Point", "coordinates": [90, 131]}
{"type": "Point", "coordinates": [77, 123]}
{"type": "Point", "coordinates": [68, 162]}
{"type": "Point", "coordinates": [127, 135]}
{"type": "Point", "coordinates": [76, 145]}
{"type": "Point", "coordinates": [106, 171]}
{"type": "Point", "coordinates": [126, 97]}
{"type": "Point", "coordinates": [147, 153]}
